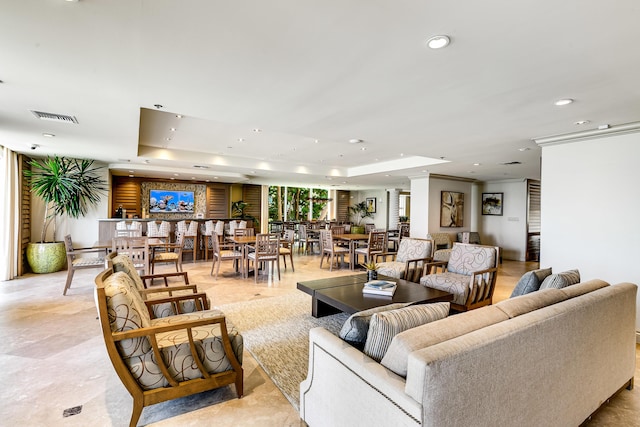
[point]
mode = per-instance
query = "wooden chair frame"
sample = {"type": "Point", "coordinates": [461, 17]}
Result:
{"type": "Point", "coordinates": [176, 389]}
{"type": "Point", "coordinates": [99, 262]}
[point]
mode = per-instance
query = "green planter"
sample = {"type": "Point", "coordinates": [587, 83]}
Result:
{"type": "Point", "coordinates": [46, 257]}
{"type": "Point", "coordinates": [357, 229]}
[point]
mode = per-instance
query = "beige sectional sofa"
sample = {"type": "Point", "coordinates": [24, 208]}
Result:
{"type": "Point", "coordinates": [548, 358]}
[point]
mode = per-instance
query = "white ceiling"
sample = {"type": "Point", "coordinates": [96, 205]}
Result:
{"type": "Point", "coordinates": [311, 75]}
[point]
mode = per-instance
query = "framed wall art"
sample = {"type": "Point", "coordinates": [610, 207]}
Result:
{"type": "Point", "coordinates": [371, 204]}
{"type": "Point", "coordinates": [451, 209]}
{"type": "Point", "coordinates": [492, 203]}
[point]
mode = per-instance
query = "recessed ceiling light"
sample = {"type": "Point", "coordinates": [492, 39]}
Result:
{"type": "Point", "coordinates": [167, 139]}
{"type": "Point", "coordinates": [581, 122]}
{"type": "Point", "coordinates": [178, 116]}
{"type": "Point", "coordinates": [561, 102]}
{"type": "Point", "coordinates": [172, 129]}
{"type": "Point", "coordinates": [48, 135]}
{"type": "Point", "coordinates": [257, 130]}
{"type": "Point", "coordinates": [240, 139]}
{"type": "Point", "coordinates": [172, 178]}
{"type": "Point", "coordinates": [147, 161]}
{"type": "Point", "coordinates": [316, 141]}
{"type": "Point", "coordinates": [476, 164]}
{"type": "Point", "coordinates": [130, 176]}
{"type": "Point", "coordinates": [364, 149]}
{"type": "Point", "coordinates": [438, 42]}
{"type": "Point", "coordinates": [524, 149]}
{"type": "Point", "coordinates": [176, 174]}
{"type": "Point", "coordinates": [355, 141]}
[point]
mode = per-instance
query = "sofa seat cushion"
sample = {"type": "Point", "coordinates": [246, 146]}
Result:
{"type": "Point", "coordinates": [387, 324]}
{"type": "Point", "coordinates": [391, 269]}
{"type": "Point", "coordinates": [530, 281]}
{"type": "Point", "coordinates": [176, 352]}
{"type": "Point", "coordinates": [397, 356]}
{"type": "Point", "coordinates": [355, 329]}
{"type": "Point", "coordinates": [561, 280]}
{"type": "Point", "coordinates": [457, 284]}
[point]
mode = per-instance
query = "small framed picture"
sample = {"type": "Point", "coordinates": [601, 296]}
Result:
{"type": "Point", "coordinates": [371, 204]}
{"type": "Point", "coordinates": [492, 203]}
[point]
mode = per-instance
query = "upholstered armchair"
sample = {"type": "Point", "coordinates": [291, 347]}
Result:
{"type": "Point", "coordinates": [407, 262]}
{"type": "Point", "coordinates": [442, 246]}
{"type": "Point", "coordinates": [165, 358]}
{"type": "Point", "coordinates": [470, 275]}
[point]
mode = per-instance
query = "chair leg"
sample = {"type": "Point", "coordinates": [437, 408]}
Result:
{"type": "Point", "coordinates": [138, 405]}
{"type": "Point", "coordinates": [278, 263]}
{"type": "Point", "coordinates": [69, 279]}
{"type": "Point", "coordinates": [292, 267]}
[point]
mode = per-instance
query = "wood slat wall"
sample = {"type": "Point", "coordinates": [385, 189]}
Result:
{"type": "Point", "coordinates": [252, 194]}
{"type": "Point", "coordinates": [25, 215]}
{"type": "Point", "coordinates": [218, 201]}
{"type": "Point", "coordinates": [343, 198]}
{"type": "Point", "coordinates": [126, 192]}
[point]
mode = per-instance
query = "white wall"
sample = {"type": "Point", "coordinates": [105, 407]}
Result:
{"type": "Point", "coordinates": [508, 231]}
{"type": "Point", "coordinates": [590, 209]}
{"type": "Point", "coordinates": [84, 231]}
{"type": "Point", "coordinates": [380, 218]}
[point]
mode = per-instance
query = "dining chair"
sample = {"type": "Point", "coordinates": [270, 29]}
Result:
{"type": "Point", "coordinates": [266, 250]}
{"type": "Point", "coordinates": [225, 252]}
{"type": "Point", "coordinates": [286, 246]}
{"type": "Point", "coordinates": [376, 244]}
{"type": "Point", "coordinates": [136, 248]}
{"type": "Point", "coordinates": [369, 227]}
{"type": "Point", "coordinates": [331, 250]}
{"type": "Point", "coordinates": [243, 232]}
{"type": "Point", "coordinates": [207, 231]}
{"type": "Point", "coordinates": [306, 240]}
{"type": "Point", "coordinates": [76, 260]}
{"type": "Point", "coordinates": [190, 237]}
{"type": "Point", "coordinates": [403, 232]}
{"type": "Point", "coordinates": [169, 252]}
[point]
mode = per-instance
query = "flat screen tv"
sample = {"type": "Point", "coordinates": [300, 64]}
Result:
{"type": "Point", "coordinates": [171, 201]}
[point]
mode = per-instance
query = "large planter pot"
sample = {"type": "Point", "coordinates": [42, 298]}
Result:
{"type": "Point", "coordinates": [46, 257]}
{"type": "Point", "coordinates": [357, 229]}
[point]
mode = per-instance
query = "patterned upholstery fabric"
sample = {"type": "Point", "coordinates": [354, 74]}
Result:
{"type": "Point", "coordinates": [387, 324]}
{"type": "Point", "coordinates": [530, 281]}
{"type": "Point", "coordinates": [442, 246]}
{"type": "Point", "coordinates": [561, 280]}
{"type": "Point", "coordinates": [474, 237]}
{"type": "Point", "coordinates": [121, 225]}
{"type": "Point", "coordinates": [354, 331]}
{"type": "Point", "coordinates": [155, 230]}
{"type": "Point", "coordinates": [410, 248]}
{"type": "Point", "coordinates": [219, 228]}
{"type": "Point", "coordinates": [465, 259]}
{"type": "Point", "coordinates": [127, 312]}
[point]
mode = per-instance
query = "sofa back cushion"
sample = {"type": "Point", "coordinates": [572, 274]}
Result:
{"type": "Point", "coordinates": [387, 324]}
{"type": "Point", "coordinates": [583, 288]}
{"type": "Point", "coordinates": [465, 258]}
{"type": "Point", "coordinates": [530, 281]}
{"type": "Point", "coordinates": [561, 280]}
{"type": "Point", "coordinates": [517, 306]}
{"type": "Point", "coordinates": [396, 357]}
{"type": "Point", "coordinates": [126, 312]}
{"type": "Point", "coordinates": [411, 248]}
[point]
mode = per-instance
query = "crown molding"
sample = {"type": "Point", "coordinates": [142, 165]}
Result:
{"type": "Point", "coordinates": [587, 134]}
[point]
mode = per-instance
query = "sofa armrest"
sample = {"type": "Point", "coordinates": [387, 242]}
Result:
{"type": "Point", "coordinates": [341, 378]}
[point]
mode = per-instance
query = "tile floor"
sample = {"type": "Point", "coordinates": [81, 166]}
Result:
{"type": "Point", "coordinates": [56, 372]}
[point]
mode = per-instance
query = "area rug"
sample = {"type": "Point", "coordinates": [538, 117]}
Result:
{"type": "Point", "coordinates": [276, 333]}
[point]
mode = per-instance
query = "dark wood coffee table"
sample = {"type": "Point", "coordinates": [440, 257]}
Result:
{"type": "Point", "coordinates": [344, 294]}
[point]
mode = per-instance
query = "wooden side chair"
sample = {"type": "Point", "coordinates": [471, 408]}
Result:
{"type": "Point", "coordinates": [376, 244]}
{"type": "Point", "coordinates": [225, 252]}
{"type": "Point", "coordinates": [136, 248]}
{"type": "Point", "coordinates": [286, 247]}
{"type": "Point", "coordinates": [331, 250]}
{"type": "Point", "coordinates": [169, 252]}
{"type": "Point", "coordinates": [267, 250]}
{"type": "Point", "coordinates": [76, 260]}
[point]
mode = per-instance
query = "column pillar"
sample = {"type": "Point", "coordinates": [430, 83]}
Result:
{"type": "Point", "coordinates": [393, 214]}
{"type": "Point", "coordinates": [419, 206]}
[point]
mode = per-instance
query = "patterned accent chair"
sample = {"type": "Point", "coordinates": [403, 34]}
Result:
{"type": "Point", "coordinates": [408, 261]}
{"type": "Point", "coordinates": [160, 359]}
{"type": "Point", "coordinates": [470, 275]}
{"type": "Point", "coordinates": [443, 244]}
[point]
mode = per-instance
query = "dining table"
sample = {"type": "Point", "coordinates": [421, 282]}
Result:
{"type": "Point", "coordinates": [353, 240]}
{"type": "Point", "coordinates": [245, 242]}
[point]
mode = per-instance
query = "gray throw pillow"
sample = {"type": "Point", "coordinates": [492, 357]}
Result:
{"type": "Point", "coordinates": [561, 280]}
{"type": "Point", "coordinates": [530, 281]}
{"type": "Point", "coordinates": [354, 331]}
{"type": "Point", "coordinates": [387, 324]}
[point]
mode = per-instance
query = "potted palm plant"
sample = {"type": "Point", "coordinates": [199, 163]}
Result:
{"type": "Point", "coordinates": [68, 187]}
{"type": "Point", "coordinates": [359, 212]}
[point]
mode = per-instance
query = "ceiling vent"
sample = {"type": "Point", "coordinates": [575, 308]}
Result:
{"type": "Point", "coordinates": [511, 163]}
{"type": "Point", "coordinates": [54, 117]}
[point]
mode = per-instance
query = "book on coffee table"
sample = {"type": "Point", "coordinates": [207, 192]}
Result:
{"type": "Point", "coordinates": [379, 287]}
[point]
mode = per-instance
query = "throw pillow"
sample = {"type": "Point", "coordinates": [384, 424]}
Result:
{"type": "Point", "coordinates": [561, 280]}
{"type": "Point", "coordinates": [530, 281]}
{"type": "Point", "coordinates": [385, 325]}
{"type": "Point", "coordinates": [354, 331]}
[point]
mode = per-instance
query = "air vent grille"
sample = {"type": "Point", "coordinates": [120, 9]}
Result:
{"type": "Point", "coordinates": [54, 117]}
{"type": "Point", "coordinates": [511, 163]}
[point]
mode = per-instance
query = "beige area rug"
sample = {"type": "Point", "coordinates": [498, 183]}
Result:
{"type": "Point", "coordinates": [276, 332]}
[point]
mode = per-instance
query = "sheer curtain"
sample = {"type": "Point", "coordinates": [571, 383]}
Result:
{"type": "Point", "coordinates": [10, 214]}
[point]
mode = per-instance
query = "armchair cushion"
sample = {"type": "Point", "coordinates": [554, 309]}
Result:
{"type": "Point", "coordinates": [561, 280]}
{"type": "Point", "coordinates": [457, 284]}
{"type": "Point", "coordinates": [410, 248]}
{"type": "Point", "coordinates": [354, 331]}
{"type": "Point", "coordinates": [386, 324]}
{"type": "Point", "coordinates": [465, 258]}
{"type": "Point", "coordinates": [530, 281]}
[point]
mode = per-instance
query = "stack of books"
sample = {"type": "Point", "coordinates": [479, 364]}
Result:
{"type": "Point", "coordinates": [379, 287]}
